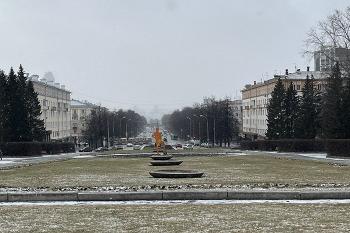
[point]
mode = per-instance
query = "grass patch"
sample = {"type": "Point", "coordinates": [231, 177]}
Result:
{"type": "Point", "coordinates": [177, 218]}
{"type": "Point", "coordinates": [219, 170]}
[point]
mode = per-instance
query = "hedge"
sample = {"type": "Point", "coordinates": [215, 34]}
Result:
{"type": "Point", "coordinates": [333, 147]}
{"type": "Point", "coordinates": [286, 145]}
{"type": "Point", "coordinates": [338, 147]}
{"type": "Point", "coordinates": [21, 149]}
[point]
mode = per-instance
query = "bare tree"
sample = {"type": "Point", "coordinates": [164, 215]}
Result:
{"type": "Point", "coordinates": [329, 34]}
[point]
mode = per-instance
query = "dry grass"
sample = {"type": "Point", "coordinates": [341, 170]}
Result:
{"type": "Point", "coordinates": [177, 218]}
{"type": "Point", "coordinates": [225, 170]}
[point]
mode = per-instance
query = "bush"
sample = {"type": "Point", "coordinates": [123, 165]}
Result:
{"type": "Point", "coordinates": [338, 147]}
{"type": "Point", "coordinates": [21, 149]}
{"type": "Point", "coordinates": [286, 145]}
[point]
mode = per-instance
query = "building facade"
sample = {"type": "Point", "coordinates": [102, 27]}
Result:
{"type": "Point", "coordinates": [80, 112]}
{"type": "Point", "coordinates": [55, 107]}
{"type": "Point", "coordinates": [256, 97]}
{"type": "Point", "coordinates": [325, 58]}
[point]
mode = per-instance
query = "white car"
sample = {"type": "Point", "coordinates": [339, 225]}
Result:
{"type": "Point", "coordinates": [129, 145]}
{"type": "Point", "coordinates": [188, 147]}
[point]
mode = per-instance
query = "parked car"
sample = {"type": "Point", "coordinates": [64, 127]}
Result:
{"type": "Point", "coordinates": [188, 147]}
{"type": "Point", "coordinates": [100, 149]}
{"type": "Point", "coordinates": [85, 149]}
{"type": "Point", "coordinates": [129, 145]}
{"type": "Point", "coordinates": [119, 147]}
{"type": "Point", "coordinates": [178, 145]}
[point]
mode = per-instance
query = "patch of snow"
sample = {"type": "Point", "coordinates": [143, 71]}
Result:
{"type": "Point", "coordinates": [5, 162]}
{"type": "Point", "coordinates": [314, 155]}
{"type": "Point", "coordinates": [83, 156]}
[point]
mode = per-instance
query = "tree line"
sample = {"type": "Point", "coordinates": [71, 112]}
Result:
{"type": "Point", "coordinates": [314, 114]}
{"type": "Point", "coordinates": [191, 122]}
{"type": "Point", "coordinates": [19, 109]}
{"type": "Point", "coordinates": [102, 123]}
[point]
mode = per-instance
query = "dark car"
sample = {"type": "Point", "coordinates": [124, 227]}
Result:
{"type": "Point", "coordinates": [119, 147]}
{"type": "Point", "coordinates": [85, 149]}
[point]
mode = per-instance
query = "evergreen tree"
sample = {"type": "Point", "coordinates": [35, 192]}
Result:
{"type": "Point", "coordinates": [291, 106]}
{"type": "Point", "coordinates": [345, 113]}
{"type": "Point", "coordinates": [331, 108]}
{"type": "Point", "coordinates": [11, 124]}
{"type": "Point", "coordinates": [306, 126]}
{"type": "Point", "coordinates": [21, 109]}
{"type": "Point", "coordinates": [36, 125]}
{"type": "Point", "coordinates": [275, 112]}
{"type": "Point", "coordinates": [3, 106]}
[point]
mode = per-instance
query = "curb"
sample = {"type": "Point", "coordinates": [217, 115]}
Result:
{"type": "Point", "coordinates": [171, 195]}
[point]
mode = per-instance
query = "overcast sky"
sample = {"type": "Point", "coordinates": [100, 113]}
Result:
{"type": "Point", "coordinates": [164, 53]}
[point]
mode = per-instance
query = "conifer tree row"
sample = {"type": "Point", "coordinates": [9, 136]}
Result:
{"type": "Point", "coordinates": [323, 115]}
{"type": "Point", "coordinates": [19, 109]}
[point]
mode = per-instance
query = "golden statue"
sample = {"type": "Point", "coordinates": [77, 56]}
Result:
{"type": "Point", "coordinates": [157, 135]}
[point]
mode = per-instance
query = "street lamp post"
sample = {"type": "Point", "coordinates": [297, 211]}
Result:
{"type": "Point", "coordinates": [199, 128]}
{"type": "Point", "coordinates": [190, 125]}
{"type": "Point", "coordinates": [126, 127]}
{"type": "Point", "coordinates": [214, 133]}
{"type": "Point", "coordinates": [108, 143]}
{"type": "Point", "coordinates": [207, 128]}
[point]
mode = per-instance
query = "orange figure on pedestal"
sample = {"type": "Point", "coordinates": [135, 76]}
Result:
{"type": "Point", "coordinates": [158, 137]}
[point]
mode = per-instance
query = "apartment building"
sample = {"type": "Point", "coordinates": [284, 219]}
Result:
{"type": "Point", "coordinates": [255, 98]}
{"type": "Point", "coordinates": [55, 106]}
{"type": "Point", "coordinates": [80, 112]}
{"type": "Point", "coordinates": [325, 58]}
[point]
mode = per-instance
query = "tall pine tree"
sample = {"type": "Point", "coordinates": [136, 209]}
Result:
{"type": "Point", "coordinates": [11, 99]}
{"type": "Point", "coordinates": [345, 113]}
{"type": "Point", "coordinates": [331, 109]}
{"type": "Point", "coordinates": [306, 126]}
{"type": "Point", "coordinates": [36, 125]}
{"type": "Point", "coordinates": [21, 110]}
{"type": "Point", "coordinates": [291, 106]}
{"type": "Point", "coordinates": [3, 106]}
{"type": "Point", "coordinates": [275, 112]}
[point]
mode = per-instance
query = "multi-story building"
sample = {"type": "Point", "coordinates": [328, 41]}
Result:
{"type": "Point", "coordinates": [55, 107]}
{"type": "Point", "coordinates": [255, 99]}
{"type": "Point", "coordinates": [237, 109]}
{"type": "Point", "coordinates": [80, 112]}
{"type": "Point", "coordinates": [325, 58]}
